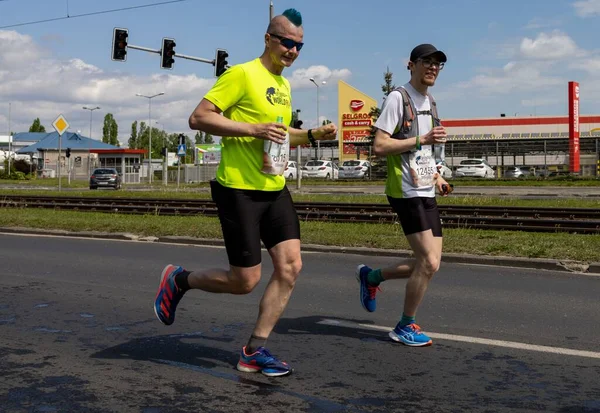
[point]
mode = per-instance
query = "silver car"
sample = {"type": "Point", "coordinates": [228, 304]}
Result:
{"type": "Point", "coordinates": [355, 169]}
{"type": "Point", "coordinates": [516, 172]}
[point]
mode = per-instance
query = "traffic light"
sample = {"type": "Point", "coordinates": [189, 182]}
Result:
{"type": "Point", "coordinates": [119, 50]}
{"type": "Point", "coordinates": [221, 62]}
{"type": "Point", "coordinates": [68, 154]}
{"type": "Point", "coordinates": [167, 53]}
{"type": "Point", "coordinates": [181, 139]}
{"type": "Point", "coordinates": [298, 124]}
{"type": "Point", "coordinates": [165, 151]}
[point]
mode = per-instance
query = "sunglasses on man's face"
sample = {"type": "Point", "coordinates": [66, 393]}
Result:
{"type": "Point", "coordinates": [288, 43]}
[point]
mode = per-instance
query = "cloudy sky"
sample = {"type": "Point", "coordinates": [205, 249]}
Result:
{"type": "Point", "coordinates": [512, 57]}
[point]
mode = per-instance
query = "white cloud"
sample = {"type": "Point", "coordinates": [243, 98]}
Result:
{"type": "Point", "coordinates": [513, 77]}
{"type": "Point", "coordinates": [549, 46]}
{"type": "Point", "coordinates": [300, 77]}
{"type": "Point", "coordinates": [590, 65]}
{"type": "Point", "coordinates": [587, 8]}
{"type": "Point", "coordinates": [40, 85]}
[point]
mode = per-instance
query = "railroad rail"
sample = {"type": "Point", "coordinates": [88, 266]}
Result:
{"type": "Point", "coordinates": [574, 220]}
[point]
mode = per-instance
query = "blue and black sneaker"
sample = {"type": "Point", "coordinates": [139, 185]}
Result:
{"type": "Point", "coordinates": [262, 361]}
{"type": "Point", "coordinates": [367, 292]}
{"type": "Point", "coordinates": [410, 335]}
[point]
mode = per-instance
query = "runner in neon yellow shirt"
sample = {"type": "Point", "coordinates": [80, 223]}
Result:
{"type": "Point", "coordinates": [243, 107]}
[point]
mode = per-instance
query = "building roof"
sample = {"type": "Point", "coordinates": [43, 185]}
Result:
{"type": "Point", "coordinates": [71, 140]}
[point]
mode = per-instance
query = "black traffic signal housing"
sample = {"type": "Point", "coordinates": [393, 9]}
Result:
{"type": "Point", "coordinates": [298, 124]}
{"type": "Point", "coordinates": [167, 53]}
{"type": "Point", "coordinates": [181, 139]}
{"type": "Point", "coordinates": [221, 63]}
{"type": "Point", "coordinates": [68, 154]}
{"type": "Point", "coordinates": [119, 49]}
{"type": "Point", "coordinates": [165, 151]}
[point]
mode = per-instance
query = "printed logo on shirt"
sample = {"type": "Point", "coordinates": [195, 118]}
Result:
{"type": "Point", "coordinates": [275, 97]}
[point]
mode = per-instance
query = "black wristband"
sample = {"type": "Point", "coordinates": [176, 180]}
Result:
{"type": "Point", "coordinates": [311, 138]}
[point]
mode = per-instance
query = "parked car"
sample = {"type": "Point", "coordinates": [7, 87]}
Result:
{"type": "Point", "coordinates": [517, 171]}
{"type": "Point", "coordinates": [479, 168]}
{"type": "Point", "coordinates": [320, 169]}
{"type": "Point", "coordinates": [291, 170]}
{"type": "Point", "coordinates": [106, 178]}
{"type": "Point", "coordinates": [444, 170]}
{"type": "Point", "coordinates": [355, 169]}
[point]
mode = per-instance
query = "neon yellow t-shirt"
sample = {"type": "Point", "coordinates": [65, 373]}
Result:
{"type": "Point", "coordinates": [249, 93]}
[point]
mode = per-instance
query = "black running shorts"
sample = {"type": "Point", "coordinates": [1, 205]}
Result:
{"type": "Point", "coordinates": [248, 216]}
{"type": "Point", "coordinates": [417, 215]}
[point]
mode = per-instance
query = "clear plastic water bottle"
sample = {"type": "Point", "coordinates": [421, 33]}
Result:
{"type": "Point", "coordinates": [275, 155]}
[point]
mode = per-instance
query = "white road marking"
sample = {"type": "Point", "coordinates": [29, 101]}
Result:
{"type": "Point", "coordinates": [474, 340]}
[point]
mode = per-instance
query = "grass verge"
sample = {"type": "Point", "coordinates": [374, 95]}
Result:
{"type": "Point", "coordinates": [578, 247]}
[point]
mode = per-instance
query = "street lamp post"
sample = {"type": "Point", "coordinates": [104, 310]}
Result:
{"type": "Point", "coordinates": [165, 160]}
{"type": "Point", "coordinates": [9, 137]}
{"type": "Point", "coordinates": [90, 142]}
{"type": "Point", "coordinates": [150, 170]}
{"type": "Point", "coordinates": [318, 149]}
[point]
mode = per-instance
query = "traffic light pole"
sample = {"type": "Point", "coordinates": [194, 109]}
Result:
{"type": "Point", "coordinates": [182, 56]}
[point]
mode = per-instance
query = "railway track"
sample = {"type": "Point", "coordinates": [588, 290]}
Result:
{"type": "Point", "coordinates": [574, 220]}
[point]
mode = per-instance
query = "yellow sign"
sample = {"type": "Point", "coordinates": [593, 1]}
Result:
{"type": "Point", "coordinates": [60, 125]}
{"type": "Point", "coordinates": [354, 121]}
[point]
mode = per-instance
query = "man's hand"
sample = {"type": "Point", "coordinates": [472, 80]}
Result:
{"type": "Point", "coordinates": [444, 188]}
{"type": "Point", "coordinates": [325, 132]}
{"type": "Point", "coordinates": [436, 135]}
{"type": "Point", "coordinates": [269, 132]}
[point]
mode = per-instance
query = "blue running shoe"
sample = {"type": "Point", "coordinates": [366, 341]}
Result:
{"type": "Point", "coordinates": [263, 361]}
{"type": "Point", "coordinates": [410, 335]}
{"type": "Point", "coordinates": [168, 295]}
{"type": "Point", "coordinates": [367, 292]}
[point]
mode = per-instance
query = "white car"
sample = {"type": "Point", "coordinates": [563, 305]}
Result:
{"type": "Point", "coordinates": [291, 170]}
{"type": "Point", "coordinates": [444, 170]}
{"type": "Point", "coordinates": [478, 168]}
{"type": "Point", "coordinates": [320, 169]}
{"type": "Point", "coordinates": [355, 169]}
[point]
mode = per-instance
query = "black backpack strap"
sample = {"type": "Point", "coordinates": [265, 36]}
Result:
{"type": "Point", "coordinates": [434, 112]}
{"type": "Point", "coordinates": [408, 112]}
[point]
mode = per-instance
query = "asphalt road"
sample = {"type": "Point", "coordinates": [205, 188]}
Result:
{"type": "Point", "coordinates": [78, 334]}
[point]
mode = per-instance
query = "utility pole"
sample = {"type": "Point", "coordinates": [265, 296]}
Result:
{"type": "Point", "coordinates": [271, 11]}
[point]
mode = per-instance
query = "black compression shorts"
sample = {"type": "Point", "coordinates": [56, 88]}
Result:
{"type": "Point", "coordinates": [417, 214]}
{"type": "Point", "coordinates": [248, 216]}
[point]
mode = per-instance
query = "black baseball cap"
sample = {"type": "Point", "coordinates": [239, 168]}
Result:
{"type": "Point", "coordinates": [426, 50]}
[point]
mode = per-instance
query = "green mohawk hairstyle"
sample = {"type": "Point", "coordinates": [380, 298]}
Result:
{"type": "Point", "coordinates": [294, 16]}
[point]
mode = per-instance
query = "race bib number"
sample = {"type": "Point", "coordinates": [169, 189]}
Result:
{"type": "Point", "coordinates": [422, 168]}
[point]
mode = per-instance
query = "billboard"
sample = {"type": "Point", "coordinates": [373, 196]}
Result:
{"type": "Point", "coordinates": [208, 153]}
{"type": "Point", "coordinates": [574, 166]}
{"type": "Point", "coordinates": [354, 121]}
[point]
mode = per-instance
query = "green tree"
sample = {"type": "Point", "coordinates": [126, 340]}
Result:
{"type": "Point", "coordinates": [208, 138]}
{"type": "Point", "coordinates": [199, 138]}
{"type": "Point", "coordinates": [133, 139]}
{"type": "Point", "coordinates": [110, 130]}
{"type": "Point", "coordinates": [37, 126]}
{"type": "Point", "coordinates": [326, 122]}
{"type": "Point", "coordinates": [159, 138]}
{"type": "Point", "coordinates": [387, 87]}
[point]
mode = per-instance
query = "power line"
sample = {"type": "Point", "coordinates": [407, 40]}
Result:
{"type": "Point", "coordinates": [91, 14]}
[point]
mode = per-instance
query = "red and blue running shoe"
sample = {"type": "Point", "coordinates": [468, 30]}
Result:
{"type": "Point", "coordinates": [168, 295]}
{"type": "Point", "coordinates": [367, 292]}
{"type": "Point", "coordinates": [262, 361]}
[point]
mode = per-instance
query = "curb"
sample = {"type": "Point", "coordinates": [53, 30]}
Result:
{"type": "Point", "coordinates": [501, 261]}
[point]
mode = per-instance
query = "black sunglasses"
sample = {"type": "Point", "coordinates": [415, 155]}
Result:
{"type": "Point", "coordinates": [288, 43]}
